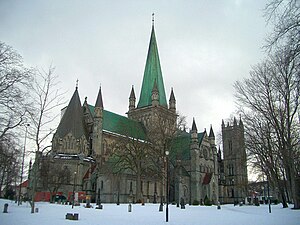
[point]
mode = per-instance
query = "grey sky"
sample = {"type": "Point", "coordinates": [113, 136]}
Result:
{"type": "Point", "coordinates": [204, 46]}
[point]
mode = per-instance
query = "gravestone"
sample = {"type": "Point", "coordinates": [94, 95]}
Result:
{"type": "Point", "coordinates": [182, 204]}
{"type": "Point", "coordinates": [5, 208]}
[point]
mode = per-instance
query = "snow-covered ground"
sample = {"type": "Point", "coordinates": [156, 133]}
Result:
{"type": "Point", "coordinates": [54, 214]}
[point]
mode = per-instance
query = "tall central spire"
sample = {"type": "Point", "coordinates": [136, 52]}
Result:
{"type": "Point", "coordinates": [152, 72]}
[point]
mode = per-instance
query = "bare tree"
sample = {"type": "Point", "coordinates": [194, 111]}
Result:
{"type": "Point", "coordinates": [47, 98]}
{"type": "Point", "coordinates": [263, 152]}
{"type": "Point", "coordinates": [272, 93]}
{"type": "Point", "coordinates": [14, 83]}
{"type": "Point", "coordinates": [130, 153]}
{"type": "Point", "coordinates": [285, 17]}
{"type": "Point", "coordinates": [54, 176]}
{"type": "Point", "coordinates": [162, 134]}
{"type": "Point", "coordinates": [9, 162]}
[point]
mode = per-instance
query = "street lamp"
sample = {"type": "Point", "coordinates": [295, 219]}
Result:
{"type": "Point", "coordinates": [167, 187]}
{"type": "Point", "coordinates": [233, 192]}
{"type": "Point", "coordinates": [269, 200]}
{"type": "Point", "coordinates": [22, 168]}
{"type": "Point", "coordinates": [74, 189]}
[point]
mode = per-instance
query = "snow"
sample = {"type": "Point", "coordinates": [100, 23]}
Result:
{"type": "Point", "coordinates": [111, 214]}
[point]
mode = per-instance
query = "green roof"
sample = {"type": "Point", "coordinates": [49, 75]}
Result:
{"type": "Point", "coordinates": [118, 124]}
{"type": "Point", "coordinates": [181, 146]}
{"type": "Point", "coordinates": [152, 72]}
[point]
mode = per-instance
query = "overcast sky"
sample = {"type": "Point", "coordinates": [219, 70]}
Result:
{"type": "Point", "coordinates": [204, 47]}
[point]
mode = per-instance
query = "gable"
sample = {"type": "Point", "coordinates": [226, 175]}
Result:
{"type": "Point", "coordinates": [181, 145]}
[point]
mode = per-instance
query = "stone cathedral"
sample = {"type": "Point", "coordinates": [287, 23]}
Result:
{"type": "Point", "coordinates": [198, 170]}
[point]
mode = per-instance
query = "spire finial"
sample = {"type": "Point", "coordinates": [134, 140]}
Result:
{"type": "Point", "coordinates": [77, 84]}
{"type": "Point", "coordinates": [152, 19]}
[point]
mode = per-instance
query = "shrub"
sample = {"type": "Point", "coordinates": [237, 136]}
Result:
{"type": "Point", "coordinates": [195, 202]}
{"type": "Point", "coordinates": [207, 202]}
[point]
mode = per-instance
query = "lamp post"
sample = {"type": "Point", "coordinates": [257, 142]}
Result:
{"type": "Point", "coordinates": [233, 192]}
{"type": "Point", "coordinates": [161, 161]}
{"type": "Point", "coordinates": [22, 167]}
{"type": "Point", "coordinates": [269, 200]}
{"type": "Point", "coordinates": [74, 189]}
{"type": "Point", "coordinates": [167, 187]}
{"type": "Point", "coordinates": [263, 194]}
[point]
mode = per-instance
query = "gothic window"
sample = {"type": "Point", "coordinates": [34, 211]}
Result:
{"type": "Point", "coordinates": [101, 186]}
{"type": "Point", "coordinates": [230, 170]}
{"type": "Point", "coordinates": [230, 146]}
{"type": "Point", "coordinates": [148, 187]}
{"type": "Point", "coordinates": [205, 154]}
{"type": "Point", "coordinates": [91, 142]}
{"type": "Point", "coordinates": [130, 188]}
{"type": "Point", "coordinates": [104, 147]}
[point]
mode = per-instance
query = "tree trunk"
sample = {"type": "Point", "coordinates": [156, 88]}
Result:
{"type": "Point", "coordinates": [296, 190]}
{"type": "Point", "coordinates": [282, 195]}
{"type": "Point", "coordinates": [138, 185]}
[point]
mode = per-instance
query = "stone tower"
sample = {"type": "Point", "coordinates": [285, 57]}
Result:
{"type": "Point", "coordinates": [235, 162]}
{"type": "Point", "coordinates": [195, 157]}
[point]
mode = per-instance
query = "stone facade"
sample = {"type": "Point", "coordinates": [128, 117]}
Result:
{"type": "Point", "coordinates": [197, 173]}
{"type": "Point", "coordinates": [234, 179]}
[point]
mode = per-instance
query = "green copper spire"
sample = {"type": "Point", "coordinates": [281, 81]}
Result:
{"type": "Point", "coordinates": [152, 72]}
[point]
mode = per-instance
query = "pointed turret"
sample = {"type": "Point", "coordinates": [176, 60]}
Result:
{"type": "Point", "coordinates": [97, 125]}
{"type": "Point", "coordinates": [194, 131]}
{"type": "Point", "coordinates": [152, 72]}
{"type": "Point", "coordinates": [99, 104]}
{"type": "Point", "coordinates": [72, 120]}
{"type": "Point", "coordinates": [234, 121]}
{"type": "Point", "coordinates": [223, 124]}
{"type": "Point", "coordinates": [172, 101]}
{"type": "Point", "coordinates": [155, 95]}
{"type": "Point", "coordinates": [194, 136]}
{"type": "Point", "coordinates": [99, 101]}
{"type": "Point", "coordinates": [194, 127]}
{"type": "Point", "coordinates": [132, 99]}
{"type": "Point", "coordinates": [211, 132]}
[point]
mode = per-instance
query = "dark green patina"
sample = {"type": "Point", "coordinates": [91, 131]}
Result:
{"type": "Point", "coordinates": [152, 72]}
{"type": "Point", "coordinates": [181, 146]}
{"type": "Point", "coordinates": [121, 125]}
